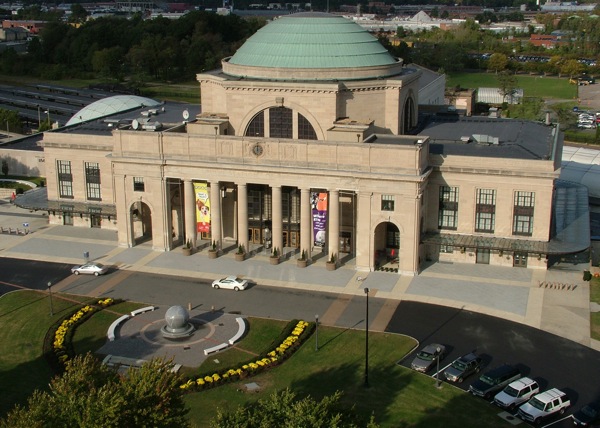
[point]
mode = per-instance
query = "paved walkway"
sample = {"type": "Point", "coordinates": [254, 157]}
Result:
{"type": "Point", "coordinates": [556, 301]}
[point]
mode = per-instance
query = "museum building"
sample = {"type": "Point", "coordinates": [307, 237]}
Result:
{"type": "Point", "coordinates": [309, 141]}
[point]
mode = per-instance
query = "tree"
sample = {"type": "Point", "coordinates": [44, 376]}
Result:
{"type": "Point", "coordinates": [571, 67]}
{"type": "Point", "coordinates": [78, 13]}
{"type": "Point", "coordinates": [507, 83]}
{"type": "Point", "coordinates": [89, 394]}
{"type": "Point", "coordinates": [284, 409]}
{"type": "Point", "coordinates": [4, 167]}
{"type": "Point", "coordinates": [497, 62]}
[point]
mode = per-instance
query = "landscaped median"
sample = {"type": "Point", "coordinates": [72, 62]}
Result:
{"type": "Point", "coordinates": [295, 334]}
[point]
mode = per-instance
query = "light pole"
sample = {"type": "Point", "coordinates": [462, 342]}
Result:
{"type": "Point", "coordinates": [50, 294]}
{"type": "Point", "coordinates": [317, 332]}
{"type": "Point", "coordinates": [437, 371]}
{"type": "Point", "coordinates": [39, 115]}
{"type": "Point", "coordinates": [48, 113]}
{"type": "Point", "coordinates": [366, 290]}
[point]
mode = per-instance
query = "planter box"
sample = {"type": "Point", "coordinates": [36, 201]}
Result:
{"type": "Point", "coordinates": [274, 260]}
{"type": "Point", "coordinates": [212, 254]}
{"type": "Point", "coordinates": [301, 263]}
{"type": "Point", "coordinates": [239, 257]}
{"type": "Point", "coordinates": [330, 265]}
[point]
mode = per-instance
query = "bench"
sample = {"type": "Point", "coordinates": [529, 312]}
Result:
{"type": "Point", "coordinates": [215, 348]}
{"type": "Point", "coordinates": [240, 332]}
{"type": "Point", "coordinates": [142, 310]}
{"type": "Point", "coordinates": [114, 325]}
{"type": "Point", "coordinates": [113, 361]}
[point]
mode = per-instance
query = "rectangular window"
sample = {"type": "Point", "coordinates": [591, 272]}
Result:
{"type": "Point", "coordinates": [280, 122]}
{"type": "Point", "coordinates": [65, 179]}
{"type": "Point", "coordinates": [92, 181]}
{"type": "Point", "coordinates": [446, 249]}
{"type": "Point", "coordinates": [485, 211]}
{"type": "Point", "coordinates": [448, 208]}
{"type": "Point", "coordinates": [387, 203]}
{"type": "Point", "coordinates": [523, 213]}
{"type": "Point", "coordinates": [138, 184]}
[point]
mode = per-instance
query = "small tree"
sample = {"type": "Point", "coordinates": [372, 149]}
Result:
{"type": "Point", "coordinates": [507, 83]}
{"type": "Point", "coordinates": [4, 167]}
{"type": "Point", "coordinates": [497, 62]}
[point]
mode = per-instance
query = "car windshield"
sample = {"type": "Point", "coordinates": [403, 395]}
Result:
{"type": "Point", "coordinates": [425, 356]}
{"type": "Point", "coordinates": [509, 390]}
{"type": "Point", "coordinates": [537, 404]}
{"type": "Point", "coordinates": [459, 365]}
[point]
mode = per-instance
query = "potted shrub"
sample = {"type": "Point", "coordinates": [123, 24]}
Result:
{"type": "Point", "coordinates": [330, 265]}
{"type": "Point", "coordinates": [212, 251]}
{"type": "Point", "coordinates": [240, 255]}
{"type": "Point", "coordinates": [302, 262]}
{"type": "Point", "coordinates": [274, 259]}
{"type": "Point", "coordinates": [187, 248]}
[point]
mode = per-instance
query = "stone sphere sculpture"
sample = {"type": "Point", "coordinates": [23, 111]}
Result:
{"type": "Point", "coordinates": [178, 325]}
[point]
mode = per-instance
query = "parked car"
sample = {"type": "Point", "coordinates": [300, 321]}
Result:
{"type": "Point", "coordinates": [428, 357]}
{"type": "Point", "coordinates": [463, 367]}
{"type": "Point", "coordinates": [231, 282]}
{"type": "Point", "coordinates": [90, 269]}
{"type": "Point", "coordinates": [516, 393]}
{"type": "Point", "coordinates": [544, 405]}
{"type": "Point", "coordinates": [587, 415]}
{"type": "Point", "coordinates": [494, 380]}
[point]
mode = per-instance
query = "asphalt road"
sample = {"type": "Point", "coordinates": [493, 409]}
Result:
{"type": "Point", "coordinates": [551, 360]}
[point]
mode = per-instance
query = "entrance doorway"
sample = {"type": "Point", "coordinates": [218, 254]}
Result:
{"type": "Point", "coordinates": [141, 222]}
{"type": "Point", "coordinates": [387, 246]}
{"type": "Point", "coordinates": [520, 260]}
{"type": "Point", "coordinates": [483, 256]}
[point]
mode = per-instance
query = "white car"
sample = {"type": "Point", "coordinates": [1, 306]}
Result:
{"type": "Point", "coordinates": [516, 393]}
{"type": "Point", "coordinates": [231, 282]}
{"type": "Point", "coordinates": [90, 269]}
{"type": "Point", "coordinates": [544, 405]}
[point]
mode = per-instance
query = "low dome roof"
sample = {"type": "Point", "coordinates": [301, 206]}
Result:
{"type": "Point", "coordinates": [111, 105]}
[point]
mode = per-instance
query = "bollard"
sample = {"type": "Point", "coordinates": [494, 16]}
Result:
{"type": "Point", "coordinates": [189, 306]}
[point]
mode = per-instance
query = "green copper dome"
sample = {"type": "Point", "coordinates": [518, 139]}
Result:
{"type": "Point", "coordinates": [312, 41]}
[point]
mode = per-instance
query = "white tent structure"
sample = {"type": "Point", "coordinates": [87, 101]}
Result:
{"type": "Point", "coordinates": [494, 96]}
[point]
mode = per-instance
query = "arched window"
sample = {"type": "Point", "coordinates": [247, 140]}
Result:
{"type": "Point", "coordinates": [305, 129]}
{"type": "Point", "coordinates": [256, 127]}
{"type": "Point", "coordinates": [280, 122]}
{"type": "Point", "coordinates": [409, 114]}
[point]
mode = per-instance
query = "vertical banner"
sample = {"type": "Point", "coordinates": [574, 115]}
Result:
{"type": "Point", "coordinates": [202, 208]}
{"type": "Point", "coordinates": [318, 202]}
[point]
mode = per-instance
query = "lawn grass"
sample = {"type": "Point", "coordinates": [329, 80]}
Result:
{"type": "Point", "coordinates": [396, 396]}
{"type": "Point", "coordinates": [533, 86]}
{"type": "Point", "coordinates": [24, 321]}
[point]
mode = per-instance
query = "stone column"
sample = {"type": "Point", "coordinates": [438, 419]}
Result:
{"type": "Point", "coordinates": [189, 201]}
{"type": "Point", "coordinates": [334, 224]}
{"type": "Point", "coordinates": [277, 218]}
{"type": "Point", "coordinates": [242, 213]}
{"type": "Point", "coordinates": [305, 229]}
{"type": "Point", "coordinates": [215, 214]}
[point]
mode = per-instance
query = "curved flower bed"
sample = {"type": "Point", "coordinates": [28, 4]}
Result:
{"type": "Point", "coordinates": [62, 349]}
{"type": "Point", "coordinates": [300, 331]}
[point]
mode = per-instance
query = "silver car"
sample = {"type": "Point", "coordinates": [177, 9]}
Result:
{"type": "Point", "coordinates": [428, 357]}
{"type": "Point", "coordinates": [90, 269]}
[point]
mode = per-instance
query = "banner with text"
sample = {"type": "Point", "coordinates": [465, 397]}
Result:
{"type": "Point", "coordinates": [202, 207]}
{"type": "Point", "coordinates": [318, 202]}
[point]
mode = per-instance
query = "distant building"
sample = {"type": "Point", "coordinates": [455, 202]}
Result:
{"type": "Point", "coordinates": [33, 27]}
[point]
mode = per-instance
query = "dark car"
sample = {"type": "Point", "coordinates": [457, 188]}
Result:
{"type": "Point", "coordinates": [587, 415]}
{"type": "Point", "coordinates": [494, 380]}
{"type": "Point", "coordinates": [463, 367]}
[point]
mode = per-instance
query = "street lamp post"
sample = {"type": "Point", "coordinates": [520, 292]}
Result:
{"type": "Point", "coordinates": [366, 290]}
{"type": "Point", "coordinates": [316, 332]}
{"type": "Point", "coordinates": [39, 116]}
{"type": "Point", "coordinates": [50, 295]}
{"type": "Point", "coordinates": [437, 371]}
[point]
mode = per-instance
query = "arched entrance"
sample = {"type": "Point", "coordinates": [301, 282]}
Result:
{"type": "Point", "coordinates": [387, 245]}
{"type": "Point", "coordinates": [141, 223]}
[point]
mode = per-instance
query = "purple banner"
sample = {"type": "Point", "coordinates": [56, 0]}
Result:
{"type": "Point", "coordinates": [318, 202]}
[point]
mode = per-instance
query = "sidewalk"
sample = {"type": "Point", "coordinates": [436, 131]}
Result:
{"type": "Point", "coordinates": [556, 301]}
